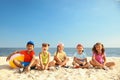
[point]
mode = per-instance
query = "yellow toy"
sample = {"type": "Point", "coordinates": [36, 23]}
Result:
{"type": "Point", "coordinates": [17, 57]}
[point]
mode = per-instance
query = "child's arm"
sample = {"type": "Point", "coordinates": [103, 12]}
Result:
{"type": "Point", "coordinates": [104, 57]}
{"type": "Point", "coordinates": [32, 61]}
{"type": "Point", "coordinates": [66, 58]}
{"type": "Point", "coordinates": [8, 58]}
{"type": "Point", "coordinates": [65, 61]}
{"type": "Point", "coordinates": [57, 59]}
{"type": "Point", "coordinates": [40, 57]}
{"type": "Point", "coordinates": [46, 67]}
{"type": "Point", "coordinates": [85, 60]}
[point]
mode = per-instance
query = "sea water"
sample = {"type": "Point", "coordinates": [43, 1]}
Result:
{"type": "Point", "coordinates": [110, 52]}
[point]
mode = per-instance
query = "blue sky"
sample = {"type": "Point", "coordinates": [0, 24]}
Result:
{"type": "Point", "coordinates": [53, 21]}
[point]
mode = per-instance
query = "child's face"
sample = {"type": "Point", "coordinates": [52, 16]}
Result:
{"type": "Point", "coordinates": [30, 47]}
{"type": "Point", "coordinates": [98, 48]}
{"type": "Point", "coordinates": [45, 48]}
{"type": "Point", "coordinates": [60, 48]}
{"type": "Point", "coordinates": [80, 49]}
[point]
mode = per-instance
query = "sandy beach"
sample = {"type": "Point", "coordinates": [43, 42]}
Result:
{"type": "Point", "coordinates": [6, 73]}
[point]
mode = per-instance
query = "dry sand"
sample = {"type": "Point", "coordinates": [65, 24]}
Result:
{"type": "Point", "coordinates": [6, 73]}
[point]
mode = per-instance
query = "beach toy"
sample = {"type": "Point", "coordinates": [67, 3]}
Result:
{"type": "Point", "coordinates": [18, 57]}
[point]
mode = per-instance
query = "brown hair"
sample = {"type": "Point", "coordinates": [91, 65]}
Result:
{"type": "Point", "coordinates": [45, 44]}
{"type": "Point", "coordinates": [94, 48]}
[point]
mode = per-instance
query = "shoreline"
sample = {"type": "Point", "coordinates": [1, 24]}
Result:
{"type": "Point", "coordinates": [6, 73]}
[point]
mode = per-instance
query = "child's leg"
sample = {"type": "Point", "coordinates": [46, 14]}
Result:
{"type": "Point", "coordinates": [86, 65]}
{"type": "Point", "coordinates": [64, 62]}
{"type": "Point", "coordinates": [78, 62]}
{"type": "Point", "coordinates": [42, 66]}
{"type": "Point", "coordinates": [57, 60]}
{"type": "Point", "coordinates": [98, 66]}
{"type": "Point", "coordinates": [17, 63]}
{"type": "Point", "coordinates": [94, 63]}
{"type": "Point", "coordinates": [37, 64]}
{"type": "Point", "coordinates": [110, 64]}
{"type": "Point", "coordinates": [75, 65]}
{"type": "Point", "coordinates": [52, 63]}
{"type": "Point", "coordinates": [33, 63]}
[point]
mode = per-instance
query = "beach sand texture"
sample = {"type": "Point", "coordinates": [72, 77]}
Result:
{"type": "Point", "coordinates": [6, 73]}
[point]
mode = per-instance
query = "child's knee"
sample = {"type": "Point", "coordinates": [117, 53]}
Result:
{"type": "Point", "coordinates": [91, 62]}
{"type": "Point", "coordinates": [74, 63]}
{"type": "Point", "coordinates": [113, 63]}
{"type": "Point", "coordinates": [16, 61]}
{"type": "Point", "coordinates": [67, 59]}
{"type": "Point", "coordinates": [37, 60]}
{"type": "Point", "coordinates": [52, 62]}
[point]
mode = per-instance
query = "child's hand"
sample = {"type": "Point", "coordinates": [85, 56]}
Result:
{"type": "Point", "coordinates": [46, 67]}
{"type": "Point", "coordinates": [84, 63]}
{"type": "Point", "coordinates": [8, 58]}
{"type": "Point", "coordinates": [104, 64]}
{"type": "Point", "coordinates": [42, 66]}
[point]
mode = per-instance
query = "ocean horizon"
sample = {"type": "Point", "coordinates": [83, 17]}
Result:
{"type": "Point", "coordinates": [110, 52]}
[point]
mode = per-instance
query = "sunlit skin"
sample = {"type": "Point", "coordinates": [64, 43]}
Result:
{"type": "Point", "coordinates": [80, 49]}
{"type": "Point", "coordinates": [30, 47]}
{"type": "Point", "coordinates": [45, 48]}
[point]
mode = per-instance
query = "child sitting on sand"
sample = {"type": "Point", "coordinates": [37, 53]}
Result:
{"type": "Point", "coordinates": [60, 58]}
{"type": "Point", "coordinates": [99, 57]}
{"type": "Point", "coordinates": [29, 57]}
{"type": "Point", "coordinates": [44, 57]}
{"type": "Point", "coordinates": [80, 59]}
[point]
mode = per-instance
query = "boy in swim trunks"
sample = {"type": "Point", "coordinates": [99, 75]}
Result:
{"type": "Point", "coordinates": [29, 57]}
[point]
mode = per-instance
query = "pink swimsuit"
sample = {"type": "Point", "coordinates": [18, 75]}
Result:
{"type": "Point", "coordinates": [99, 58]}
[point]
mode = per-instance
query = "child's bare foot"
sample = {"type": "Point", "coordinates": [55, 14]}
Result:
{"type": "Point", "coordinates": [38, 67]}
{"type": "Point", "coordinates": [27, 69]}
{"type": "Point", "coordinates": [105, 68]}
{"type": "Point", "coordinates": [21, 70]}
{"type": "Point", "coordinates": [76, 66]}
{"type": "Point", "coordinates": [51, 68]}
